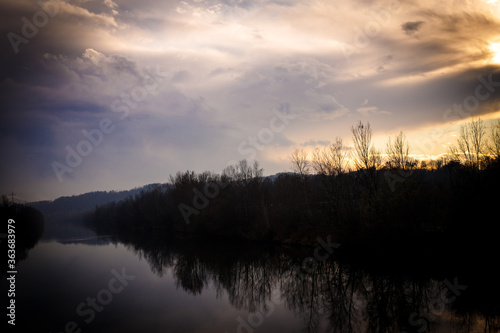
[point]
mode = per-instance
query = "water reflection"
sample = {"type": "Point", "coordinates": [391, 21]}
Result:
{"type": "Point", "coordinates": [329, 296]}
{"type": "Point", "coordinates": [188, 286]}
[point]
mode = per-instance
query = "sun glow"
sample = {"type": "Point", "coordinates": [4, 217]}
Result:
{"type": "Point", "coordinates": [495, 52]}
{"type": "Point", "coordinates": [495, 48]}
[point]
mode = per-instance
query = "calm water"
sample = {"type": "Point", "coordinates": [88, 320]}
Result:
{"type": "Point", "coordinates": [97, 285]}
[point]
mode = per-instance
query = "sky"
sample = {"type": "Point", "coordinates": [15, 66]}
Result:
{"type": "Point", "coordinates": [110, 95]}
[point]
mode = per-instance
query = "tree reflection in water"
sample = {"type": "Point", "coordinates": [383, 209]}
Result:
{"type": "Point", "coordinates": [332, 297]}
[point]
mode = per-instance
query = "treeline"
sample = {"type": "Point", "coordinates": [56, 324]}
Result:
{"type": "Point", "coordinates": [379, 199]}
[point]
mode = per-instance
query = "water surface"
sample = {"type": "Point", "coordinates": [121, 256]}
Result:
{"type": "Point", "coordinates": [104, 285]}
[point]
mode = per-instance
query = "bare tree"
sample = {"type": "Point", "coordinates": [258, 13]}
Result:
{"type": "Point", "coordinates": [398, 152]}
{"type": "Point", "coordinates": [257, 171]}
{"type": "Point", "coordinates": [331, 160]}
{"type": "Point", "coordinates": [471, 144]}
{"type": "Point", "coordinates": [320, 162]}
{"type": "Point", "coordinates": [242, 172]}
{"type": "Point", "coordinates": [365, 155]}
{"type": "Point", "coordinates": [494, 147]}
{"type": "Point", "coordinates": [338, 155]}
{"type": "Point", "coordinates": [300, 163]}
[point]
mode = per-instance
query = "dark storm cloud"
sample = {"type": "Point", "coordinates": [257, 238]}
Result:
{"type": "Point", "coordinates": [428, 100]}
{"type": "Point", "coordinates": [411, 28]}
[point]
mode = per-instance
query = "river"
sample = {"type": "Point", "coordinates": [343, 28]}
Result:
{"type": "Point", "coordinates": [107, 284]}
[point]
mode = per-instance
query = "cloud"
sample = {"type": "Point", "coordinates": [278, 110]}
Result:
{"type": "Point", "coordinates": [315, 143]}
{"type": "Point", "coordinates": [410, 28]}
{"type": "Point", "coordinates": [226, 66]}
{"type": "Point", "coordinates": [180, 76]}
{"type": "Point", "coordinates": [366, 111]}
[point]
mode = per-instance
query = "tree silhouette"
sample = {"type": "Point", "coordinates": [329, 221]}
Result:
{"type": "Point", "coordinates": [365, 155]}
{"type": "Point", "coordinates": [471, 144]}
{"type": "Point", "coordinates": [331, 160]}
{"type": "Point", "coordinates": [398, 152]}
{"type": "Point", "coordinates": [300, 163]}
{"type": "Point", "coordinates": [494, 146]}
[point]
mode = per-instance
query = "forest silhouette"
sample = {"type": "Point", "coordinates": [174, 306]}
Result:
{"type": "Point", "coordinates": [385, 201]}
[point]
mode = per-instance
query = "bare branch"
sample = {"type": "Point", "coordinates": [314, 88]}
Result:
{"type": "Point", "coordinates": [300, 164]}
{"type": "Point", "coordinates": [398, 152]}
{"type": "Point", "coordinates": [331, 160]}
{"type": "Point", "coordinates": [494, 147]}
{"type": "Point", "coordinates": [471, 144]}
{"type": "Point", "coordinates": [365, 156]}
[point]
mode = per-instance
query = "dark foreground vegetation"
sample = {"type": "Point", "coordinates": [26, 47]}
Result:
{"type": "Point", "coordinates": [391, 203]}
{"type": "Point", "coordinates": [25, 232]}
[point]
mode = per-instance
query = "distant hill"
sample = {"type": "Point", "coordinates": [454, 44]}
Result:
{"type": "Point", "coordinates": [64, 215]}
{"type": "Point", "coordinates": [88, 201]}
